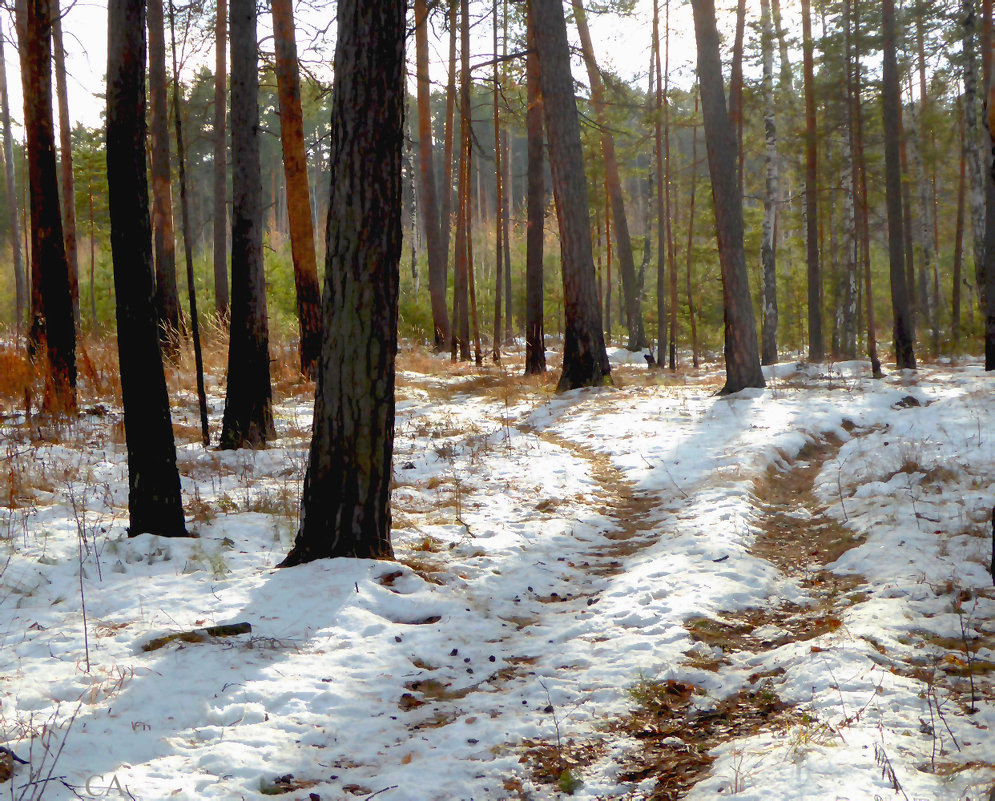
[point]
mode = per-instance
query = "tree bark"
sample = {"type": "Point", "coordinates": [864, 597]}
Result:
{"type": "Point", "coordinates": [816, 351]}
{"type": "Point", "coordinates": [154, 502]}
{"type": "Point", "coordinates": [988, 50]}
{"type": "Point", "coordinates": [535, 346]}
{"type": "Point", "coordinates": [741, 353]}
{"type": "Point", "coordinates": [446, 204]}
{"type": "Point", "coordinates": [461, 259]}
{"type": "Point", "coordinates": [220, 211]}
{"type": "Point", "coordinates": [958, 253]}
{"type": "Point", "coordinates": [248, 417]}
{"type": "Point", "coordinates": [298, 194]}
{"type": "Point", "coordinates": [585, 361]}
{"type": "Point", "coordinates": [976, 175]}
{"type": "Point", "coordinates": [846, 310]}
{"type": "Point", "coordinates": [623, 242]}
{"type": "Point", "coordinates": [10, 187]}
{"type": "Point", "coordinates": [66, 184]}
{"type": "Point", "coordinates": [53, 307]}
{"type": "Point", "coordinates": [736, 89]}
{"type": "Point", "coordinates": [437, 278]}
{"type": "Point", "coordinates": [891, 103]}
{"type": "Point", "coordinates": [499, 201]}
{"type": "Point", "coordinates": [692, 313]}
{"type": "Point", "coordinates": [346, 503]}
{"type": "Point", "coordinates": [662, 211]}
{"type": "Point", "coordinates": [768, 245]}
{"type": "Point", "coordinates": [164, 241]}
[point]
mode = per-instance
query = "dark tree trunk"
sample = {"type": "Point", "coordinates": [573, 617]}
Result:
{"type": "Point", "coordinates": [164, 243]}
{"type": "Point", "coordinates": [20, 284]}
{"type": "Point", "coordinates": [53, 306]}
{"type": "Point", "coordinates": [437, 279]}
{"type": "Point", "coordinates": [891, 105]}
{"type": "Point", "coordinates": [958, 253]}
{"type": "Point", "coordinates": [248, 418]}
{"type": "Point", "coordinates": [662, 211]}
{"type": "Point", "coordinates": [816, 351]}
{"type": "Point", "coordinates": [975, 171]}
{"type": "Point", "coordinates": [585, 361]}
{"type": "Point", "coordinates": [499, 200]}
{"type": "Point", "coordinates": [692, 313]}
{"type": "Point", "coordinates": [461, 258]}
{"type": "Point", "coordinates": [298, 194]}
{"type": "Point", "coordinates": [346, 504]}
{"type": "Point", "coordinates": [220, 211]}
{"type": "Point", "coordinates": [446, 202]}
{"type": "Point", "coordinates": [535, 346]}
{"type": "Point", "coordinates": [768, 242]}
{"type": "Point", "coordinates": [988, 290]}
{"type": "Point", "coordinates": [154, 502]}
{"type": "Point", "coordinates": [626, 263]}
{"type": "Point", "coordinates": [741, 353]}
{"type": "Point", "coordinates": [66, 183]}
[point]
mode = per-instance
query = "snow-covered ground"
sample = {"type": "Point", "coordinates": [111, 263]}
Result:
{"type": "Point", "coordinates": [558, 557]}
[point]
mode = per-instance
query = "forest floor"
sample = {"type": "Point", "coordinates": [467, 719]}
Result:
{"type": "Point", "coordinates": [639, 592]}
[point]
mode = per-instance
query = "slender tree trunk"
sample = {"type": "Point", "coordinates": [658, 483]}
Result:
{"type": "Point", "coordinates": [535, 347]}
{"type": "Point", "coordinates": [429, 200]}
{"type": "Point", "coordinates": [164, 243]}
{"type": "Point", "coordinates": [768, 245]}
{"type": "Point", "coordinates": [66, 184]}
{"type": "Point", "coordinates": [181, 157]}
{"type": "Point", "coordinates": [93, 242]}
{"type": "Point", "coordinates": [608, 267]}
{"type": "Point", "coordinates": [20, 285]}
{"type": "Point", "coordinates": [499, 201]}
{"type": "Point", "coordinates": [741, 353]}
{"type": "Point", "coordinates": [346, 502]}
{"type": "Point", "coordinates": [461, 311]}
{"type": "Point", "coordinates": [288, 83]}
{"type": "Point", "coordinates": [989, 287]}
{"type": "Point", "coordinates": [661, 209]}
{"type": "Point", "coordinates": [786, 78]}
{"type": "Point", "coordinates": [671, 249]}
{"type": "Point", "coordinates": [816, 352]}
{"type": "Point", "coordinates": [446, 204]}
{"type": "Point", "coordinates": [626, 263]}
{"type": "Point", "coordinates": [509, 190]}
{"type": "Point", "coordinates": [154, 501]}
{"type": "Point", "coordinates": [846, 310]}
{"type": "Point", "coordinates": [220, 212]}
{"type": "Point", "coordinates": [958, 252]}
{"type": "Point", "coordinates": [54, 322]}
{"type": "Point", "coordinates": [248, 417]}
{"type": "Point", "coordinates": [736, 89]}
{"type": "Point", "coordinates": [891, 105]}
{"type": "Point", "coordinates": [692, 314]}
{"type": "Point", "coordinates": [976, 175]}
{"type": "Point", "coordinates": [585, 361]}
{"type": "Point", "coordinates": [925, 306]}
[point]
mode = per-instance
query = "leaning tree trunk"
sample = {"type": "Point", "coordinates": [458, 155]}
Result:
{"type": "Point", "coordinates": [768, 245]}
{"type": "Point", "coordinates": [585, 361]}
{"type": "Point", "coordinates": [891, 102]}
{"type": "Point", "coordinates": [437, 266]}
{"type": "Point", "coordinates": [346, 503]}
{"type": "Point", "coordinates": [626, 263]}
{"type": "Point", "coordinates": [66, 183]}
{"type": "Point", "coordinates": [20, 285]}
{"type": "Point", "coordinates": [816, 352]}
{"type": "Point", "coordinates": [248, 417]}
{"type": "Point", "coordinates": [535, 346]}
{"type": "Point", "coordinates": [741, 353]}
{"type": "Point", "coordinates": [220, 210]}
{"type": "Point", "coordinates": [288, 83]}
{"type": "Point", "coordinates": [164, 242]}
{"type": "Point", "coordinates": [53, 308]}
{"type": "Point", "coordinates": [154, 502]}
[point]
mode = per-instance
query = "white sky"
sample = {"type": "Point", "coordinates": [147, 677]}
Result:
{"type": "Point", "coordinates": [620, 44]}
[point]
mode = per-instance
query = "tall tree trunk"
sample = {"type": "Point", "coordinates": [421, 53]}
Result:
{"type": "Point", "coordinates": [288, 83]}
{"type": "Point", "coordinates": [446, 204]}
{"type": "Point", "coordinates": [20, 285]}
{"type": "Point", "coordinates": [741, 353]}
{"type": "Point", "coordinates": [429, 201]}
{"type": "Point", "coordinates": [461, 264]}
{"type": "Point", "coordinates": [661, 209]}
{"type": "Point", "coordinates": [958, 252]}
{"type": "Point", "coordinates": [692, 313]}
{"type": "Point", "coordinates": [66, 184]}
{"type": "Point", "coordinates": [626, 263]}
{"type": "Point", "coordinates": [509, 189]}
{"type": "Point", "coordinates": [976, 175]}
{"type": "Point", "coordinates": [768, 245]}
{"type": "Point", "coordinates": [671, 248]}
{"type": "Point", "coordinates": [585, 361]}
{"type": "Point", "coordinates": [786, 77]}
{"type": "Point", "coordinates": [535, 346]}
{"type": "Point", "coordinates": [988, 47]}
{"type": "Point", "coordinates": [346, 503]}
{"type": "Point", "coordinates": [846, 310]}
{"type": "Point", "coordinates": [926, 308]}
{"type": "Point", "coordinates": [248, 417]}
{"type": "Point", "coordinates": [53, 309]}
{"type": "Point", "coordinates": [154, 501]}
{"type": "Point", "coordinates": [164, 242]}
{"type": "Point", "coordinates": [891, 107]}
{"type": "Point", "coordinates": [181, 157]}
{"type": "Point", "coordinates": [220, 211]}
{"type": "Point", "coordinates": [816, 351]}
{"type": "Point", "coordinates": [499, 201]}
